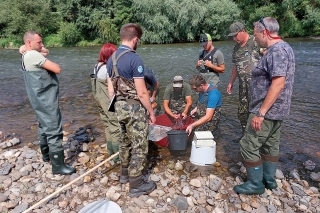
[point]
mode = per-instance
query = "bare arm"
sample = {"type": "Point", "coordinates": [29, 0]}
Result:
{"type": "Point", "coordinates": [220, 68]}
{"type": "Point", "coordinates": [44, 51]}
{"type": "Point", "coordinates": [188, 106]}
{"type": "Point", "coordinates": [51, 66]}
{"type": "Point", "coordinates": [206, 118]}
{"type": "Point", "coordinates": [277, 85]}
{"type": "Point", "coordinates": [166, 108]}
{"type": "Point", "coordinates": [144, 98]}
{"type": "Point", "coordinates": [232, 79]}
{"type": "Point", "coordinates": [155, 90]}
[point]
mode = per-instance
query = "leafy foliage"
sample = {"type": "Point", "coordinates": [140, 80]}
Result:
{"type": "Point", "coordinates": [66, 22]}
{"type": "Point", "coordinates": [69, 34]}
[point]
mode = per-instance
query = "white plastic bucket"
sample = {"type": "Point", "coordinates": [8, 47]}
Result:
{"type": "Point", "coordinates": [203, 155]}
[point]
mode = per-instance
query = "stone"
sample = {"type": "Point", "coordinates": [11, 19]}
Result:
{"type": "Point", "coordinates": [20, 208]}
{"type": "Point", "coordinates": [181, 203]}
{"type": "Point", "coordinates": [5, 169]}
{"type": "Point", "coordinates": [315, 176]}
{"type": "Point", "coordinates": [215, 184]}
{"type": "Point", "coordinates": [195, 183]}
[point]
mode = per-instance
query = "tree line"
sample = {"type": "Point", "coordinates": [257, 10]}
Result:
{"type": "Point", "coordinates": [89, 22]}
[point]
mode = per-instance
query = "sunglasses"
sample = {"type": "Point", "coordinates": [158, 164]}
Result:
{"type": "Point", "coordinates": [261, 22]}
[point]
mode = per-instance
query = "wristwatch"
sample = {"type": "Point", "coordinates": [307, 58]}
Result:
{"type": "Point", "coordinates": [259, 114]}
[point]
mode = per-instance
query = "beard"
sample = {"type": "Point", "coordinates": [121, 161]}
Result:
{"type": "Point", "coordinates": [135, 46]}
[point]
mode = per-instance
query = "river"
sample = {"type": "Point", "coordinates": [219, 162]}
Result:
{"type": "Point", "coordinates": [300, 132]}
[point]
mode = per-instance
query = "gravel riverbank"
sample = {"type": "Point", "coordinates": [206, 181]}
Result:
{"type": "Point", "coordinates": [25, 179]}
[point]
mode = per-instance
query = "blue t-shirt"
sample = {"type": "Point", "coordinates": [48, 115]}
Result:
{"type": "Point", "coordinates": [129, 65]}
{"type": "Point", "coordinates": [150, 78]}
{"type": "Point", "coordinates": [214, 99]}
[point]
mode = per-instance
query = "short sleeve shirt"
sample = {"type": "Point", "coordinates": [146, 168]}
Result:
{"type": "Point", "coordinates": [214, 99]}
{"type": "Point", "coordinates": [129, 65]}
{"type": "Point", "coordinates": [33, 61]}
{"type": "Point", "coordinates": [278, 61]}
{"type": "Point", "coordinates": [168, 92]}
{"type": "Point", "coordinates": [216, 59]}
{"type": "Point", "coordinates": [150, 78]}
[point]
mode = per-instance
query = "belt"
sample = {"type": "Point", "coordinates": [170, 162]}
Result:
{"type": "Point", "coordinates": [129, 101]}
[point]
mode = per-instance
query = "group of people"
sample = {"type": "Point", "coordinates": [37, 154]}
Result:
{"type": "Point", "coordinates": [125, 92]}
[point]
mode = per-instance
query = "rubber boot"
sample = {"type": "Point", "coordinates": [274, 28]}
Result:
{"type": "Point", "coordinates": [254, 183]}
{"type": "Point", "coordinates": [139, 187]}
{"type": "Point", "coordinates": [44, 148]}
{"type": "Point", "coordinates": [115, 148]}
{"type": "Point", "coordinates": [58, 166]}
{"type": "Point", "coordinates": [124, 174]}
{"type": "Point", "coordinates": [269, 170]}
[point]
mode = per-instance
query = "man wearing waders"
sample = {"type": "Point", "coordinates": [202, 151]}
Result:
{"type": "Point", "coordinates": [126, 81]}
{"type": "Point", "coordinates": [177, 99]}
{"type": "Point", "coordinates": [246, 54]}
{"type": "Point", "coordinates": [42, 87]}
{"type": "Point", "coordinates": [211, 61]}
{"type": "Point", "coordinates": [207, 111]}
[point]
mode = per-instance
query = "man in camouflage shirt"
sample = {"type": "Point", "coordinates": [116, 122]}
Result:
{"type": "Point", "coordinates": [177, 99]}
{"type": "Point", "coordinates": [245, 56]}
{"type": "Point", "coordinates": [270, 99]}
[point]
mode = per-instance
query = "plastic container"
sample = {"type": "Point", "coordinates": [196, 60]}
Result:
{"type": "Point", "coordinates": [177, 139]}
{"type": "Point", "coordinates": [164, 120]}
{"type": "Point", "coordinates": [203, 155]}
{"type": "Point", "coordinates": [101, 206]}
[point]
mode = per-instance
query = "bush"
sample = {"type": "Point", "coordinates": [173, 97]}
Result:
{"type": "Point", "coordinates": [52, 41]}
{"type": "Point", "coordinates": [69, 34]}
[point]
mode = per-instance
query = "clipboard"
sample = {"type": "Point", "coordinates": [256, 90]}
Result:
{"type": "Point", "coordinates": [111, 105]}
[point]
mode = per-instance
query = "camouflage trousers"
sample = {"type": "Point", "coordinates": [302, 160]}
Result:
{"type": "Point", "coordinates": [265, 141]}
{"type": "Point", "coordinates": [243, 107]}
{"type": "Point", "coordinates": [134, 142]}
{"type": "Point", "coordinates": [213, 124]}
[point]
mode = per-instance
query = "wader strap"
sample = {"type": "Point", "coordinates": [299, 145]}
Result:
{"type": "Point", "coordinates": [22, 63]}
{"type": "Point", "coordinates": [115, 72]}
{"type": "Point", "coordinates": [97, 68]}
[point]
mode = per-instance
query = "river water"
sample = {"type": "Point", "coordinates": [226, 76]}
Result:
{"type": "Point", "coordinates": [300, 132]}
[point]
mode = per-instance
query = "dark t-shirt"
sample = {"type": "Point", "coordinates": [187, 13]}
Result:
{"type": "Point", "coordinates": [277, 61]}
{"type": "Point", "coordinates": [129, 65]}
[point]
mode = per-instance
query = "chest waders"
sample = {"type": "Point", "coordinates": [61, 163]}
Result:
{"type": "Point", "coordinates": [209, 74]}
{"type": "Point", "coordinates": [201, 111]}
{"type": "Point", "coordinates": [43, 93]}
{"type": "Point", "coordinates": [109, 119]}
{"type": "Point", "coordinates": [177, 102]}
{"type": "Point", "coordinates": [134, 145]}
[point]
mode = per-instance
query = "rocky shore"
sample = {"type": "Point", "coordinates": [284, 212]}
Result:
{"type": "Point", "coordinates": [181, 187]}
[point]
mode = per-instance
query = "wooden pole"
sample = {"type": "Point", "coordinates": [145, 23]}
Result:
{"type": "Point", "coordinates": [61, 189]}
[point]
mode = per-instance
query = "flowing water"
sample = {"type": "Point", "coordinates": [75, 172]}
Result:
{"type": "Point", "coordinates": [300, 135]}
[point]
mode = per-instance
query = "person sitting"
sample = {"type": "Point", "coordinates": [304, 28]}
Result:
{"type": "Point", "coordinates": [177, 99]}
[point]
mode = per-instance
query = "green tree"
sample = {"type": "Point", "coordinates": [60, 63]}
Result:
{"type": "Point", "coordinates": [20, 16]}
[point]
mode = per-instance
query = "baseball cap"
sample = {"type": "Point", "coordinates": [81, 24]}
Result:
{"type": "Point", "coordinates": [235, 28]}
{"type": "Point", "coordinates": [177, 81]}
{"type": "Point", "coordinates": [204, 38]}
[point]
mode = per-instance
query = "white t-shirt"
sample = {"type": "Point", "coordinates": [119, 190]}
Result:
{"type": "Point", "coordinates": [102, 73]}
{"type": "Point", "coordinates": [33, 60]}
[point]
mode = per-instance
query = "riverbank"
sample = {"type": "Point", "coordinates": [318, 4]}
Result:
{"type": "Point", "coordinates": [181, 187]}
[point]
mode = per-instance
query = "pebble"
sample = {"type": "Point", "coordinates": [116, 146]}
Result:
{"type": "Point", "coordinates": [30, 180]}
